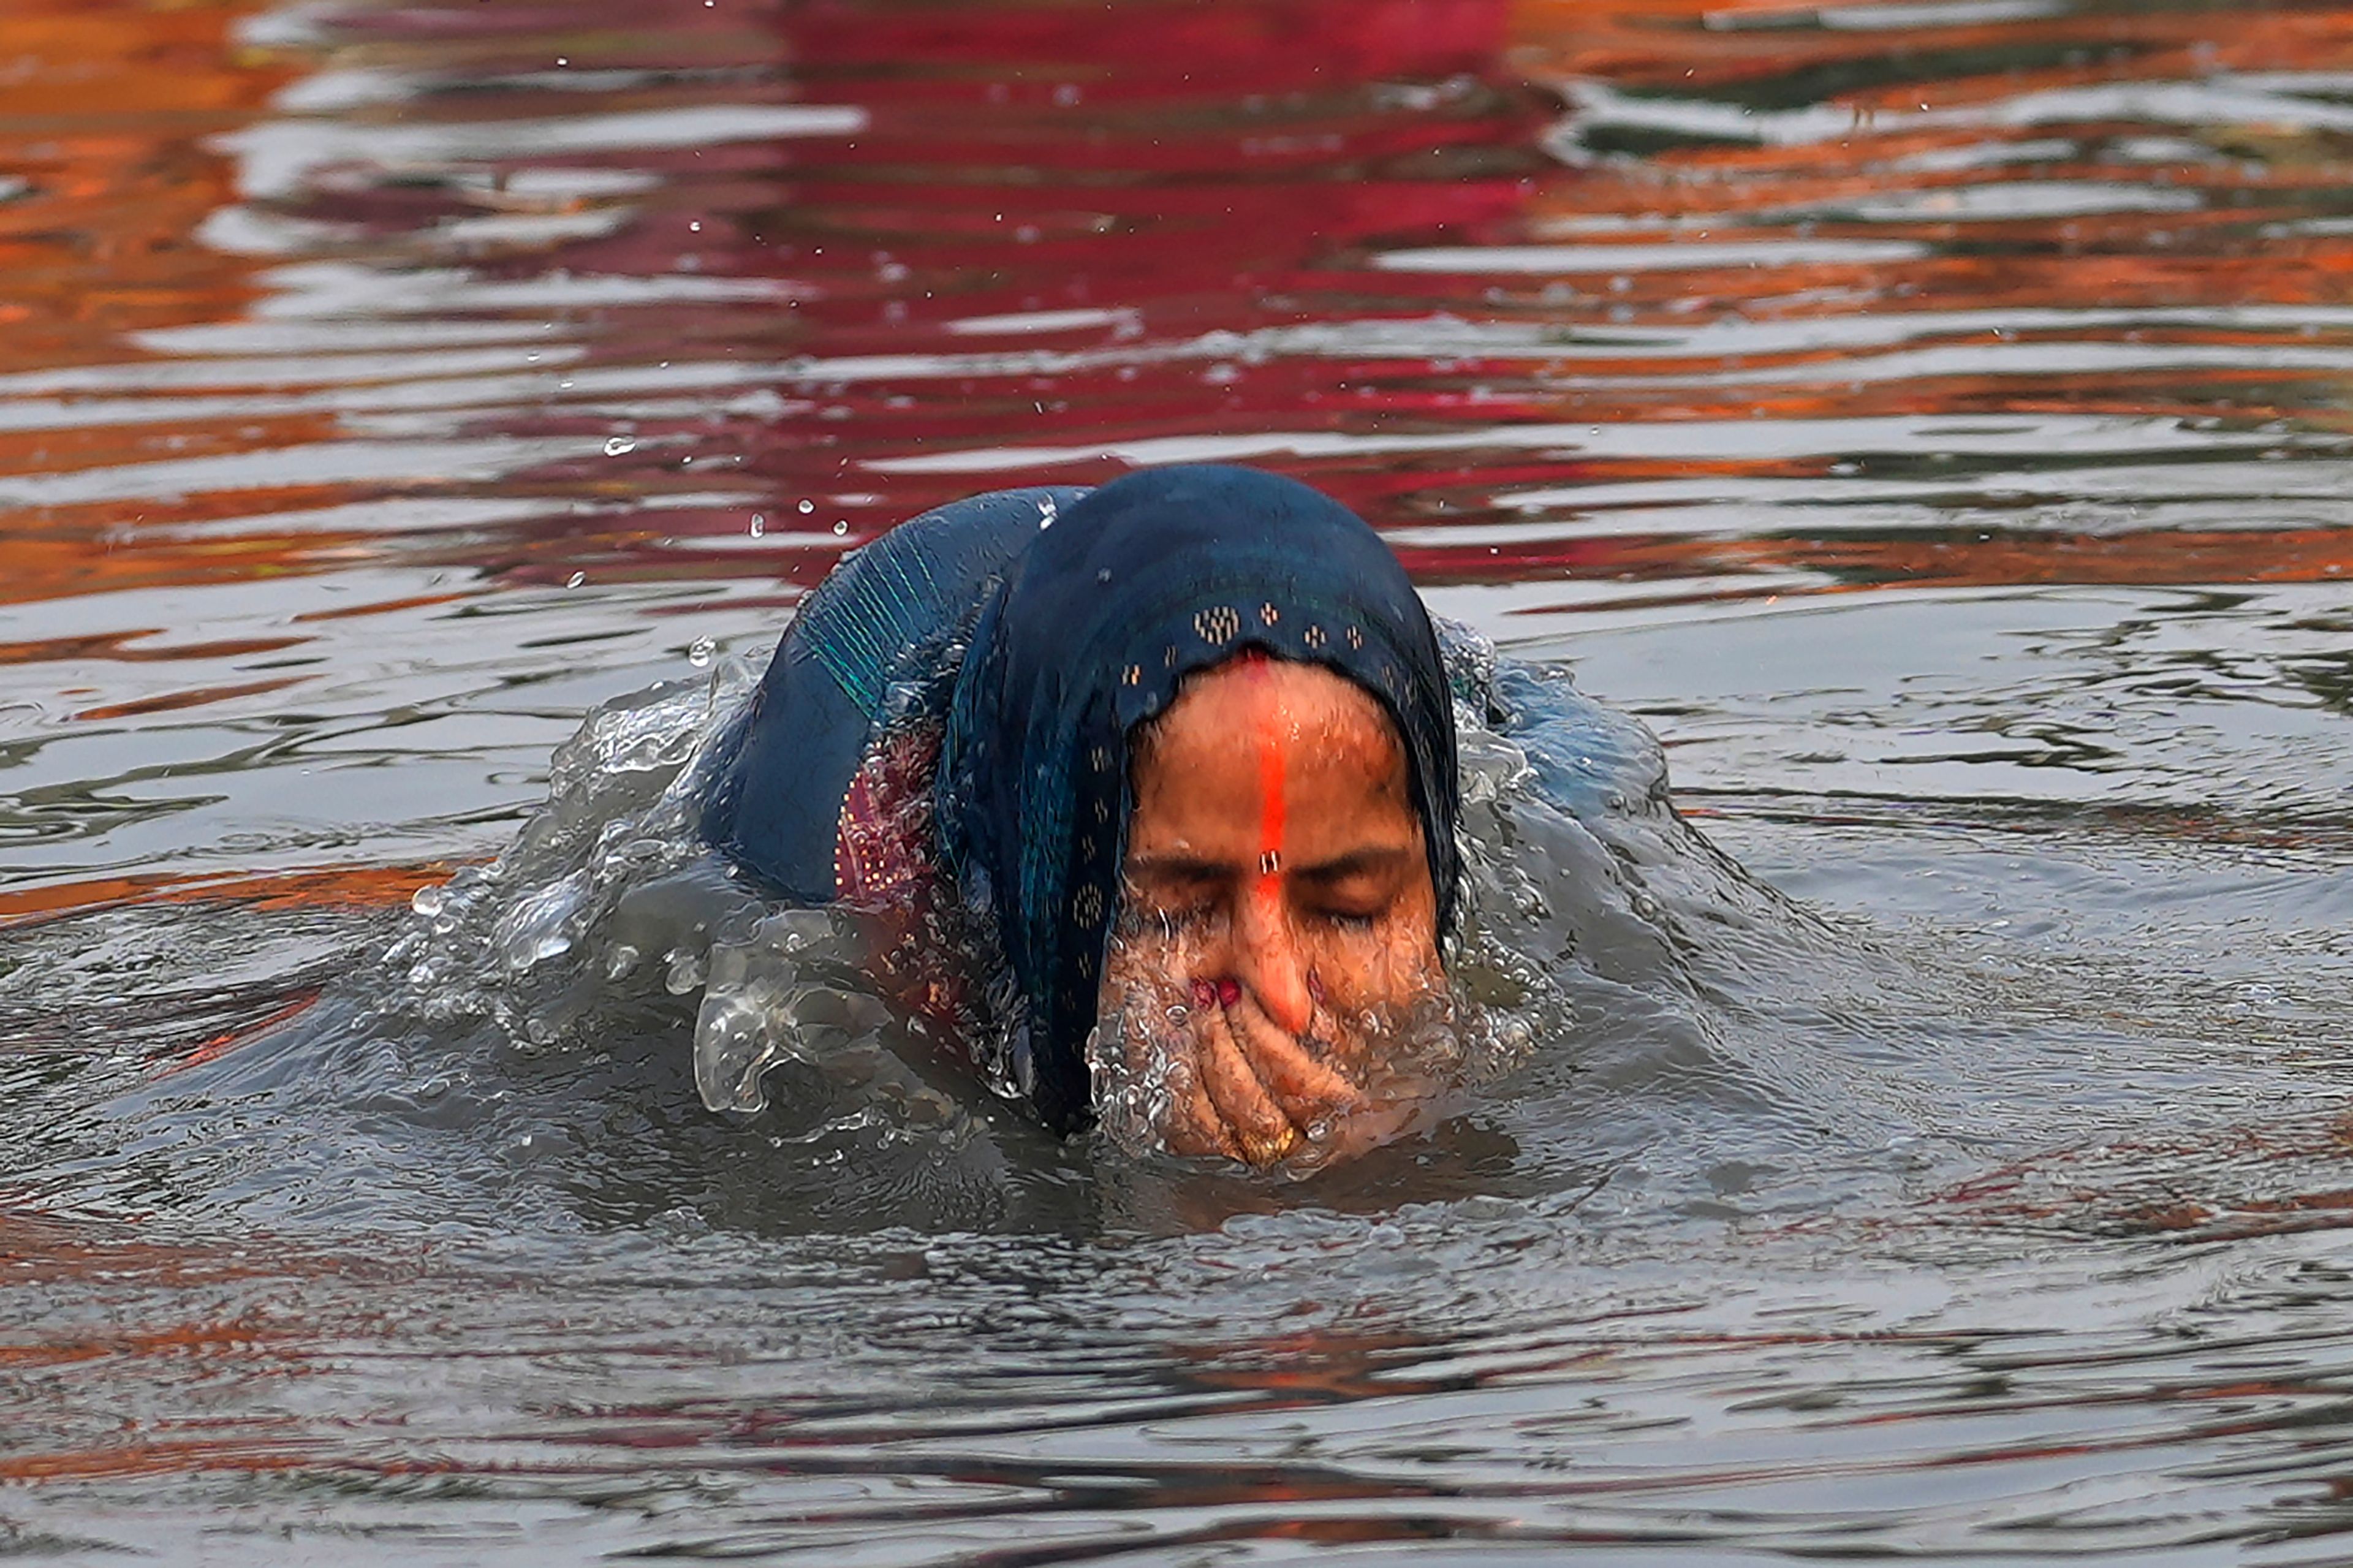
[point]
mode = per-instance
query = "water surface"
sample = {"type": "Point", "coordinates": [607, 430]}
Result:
{"type": "Point", "coordinates": [1925, 418]}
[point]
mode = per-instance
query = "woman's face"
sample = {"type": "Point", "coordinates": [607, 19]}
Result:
{"type": "Point", "coordinates": [1279, 923]}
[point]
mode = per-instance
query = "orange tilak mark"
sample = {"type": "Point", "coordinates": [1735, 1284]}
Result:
{"type": "Point", "coordinates": [1269, 792]}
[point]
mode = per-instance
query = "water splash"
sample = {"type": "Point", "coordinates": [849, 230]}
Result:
{"type": "Point", "coordinates": [609, 870]}
{"type": "Point", "coordinates": [766, 1000]}
{"type": "Point", "coordinates": [1581, 881]}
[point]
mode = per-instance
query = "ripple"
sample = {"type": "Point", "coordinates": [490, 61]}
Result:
{"type": "Point", "coordinates": [1928, 418]}
{"type": "Point", "coordinates": [1614, 259]}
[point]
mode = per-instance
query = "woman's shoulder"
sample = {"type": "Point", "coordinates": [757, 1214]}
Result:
{"type": "Point", "coordinates": [889, 601]}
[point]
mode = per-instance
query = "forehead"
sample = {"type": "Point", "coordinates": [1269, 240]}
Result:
{"type": "Point", "coordinates": [1249, 701]}
{"type": "Point", "coordinates": [1271, 755]}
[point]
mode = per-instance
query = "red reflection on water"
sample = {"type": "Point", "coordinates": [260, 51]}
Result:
{"type": "Point", "coordinates": [1064, 233]}
{"type": "Point", "coordinates": [1184, 171]}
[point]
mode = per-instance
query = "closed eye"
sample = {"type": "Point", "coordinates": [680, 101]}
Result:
{"type": "Point", "coordinates": [1178, 891]}
{"type": "Point", "coordinates": [1176, 917]}
{"type": "Point", "coordinates": [1355, 890]}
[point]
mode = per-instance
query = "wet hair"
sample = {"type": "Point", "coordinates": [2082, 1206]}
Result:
{"type": "Point", "coordinates": [1091, 634]}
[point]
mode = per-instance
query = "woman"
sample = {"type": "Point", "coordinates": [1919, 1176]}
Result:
{"type": "Point", "coordinates": [1184, 747]}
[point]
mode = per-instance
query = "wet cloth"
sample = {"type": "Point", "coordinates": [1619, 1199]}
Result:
{"type": "Point", "coordinates": [885, 618]}
{"type": "Point", "coordinates": [1084, 627]}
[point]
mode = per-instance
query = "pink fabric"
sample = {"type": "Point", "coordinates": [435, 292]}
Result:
{"type": "Point", "coordinates": [885, 865]}
{"type": "Point", "coordinates": [884, 857]}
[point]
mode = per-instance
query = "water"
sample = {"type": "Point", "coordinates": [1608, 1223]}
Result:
{"type": "Point", "coordinates": [1925, 418]}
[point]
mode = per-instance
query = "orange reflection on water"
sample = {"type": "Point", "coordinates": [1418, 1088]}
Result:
{"type": "Point", "coordinates": [1714, 44]}
{"type": "Point", "coordinates": [104, 116]}
{"type": "Point", "coordinates": [325, 887]}
{"type": "Point", "coordinates": [104, 120]}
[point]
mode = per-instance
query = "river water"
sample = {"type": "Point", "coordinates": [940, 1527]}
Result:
{"type": "Point", "coordinates": [1926, 419]}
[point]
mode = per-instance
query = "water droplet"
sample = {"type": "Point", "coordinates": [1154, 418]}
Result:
{"type": "Point", "coordinates": [1046, 513]}
{"type": "Point", "coordinates": [427, 901]}
{"type": "Point", "coordinates": [759, 525]}
{"type": "Point", "coordinates": [695, 226]}
{"type": "Point", "coordinates": [620, 446]}
{"type": "Point", "coordinates": [840, 528]}
{"type": "Point", "coordinates": [805, 508]}
{"type": "Point", "coordinates": [575, 579]}
{"type": "Point", "coordinates": [698, 652]}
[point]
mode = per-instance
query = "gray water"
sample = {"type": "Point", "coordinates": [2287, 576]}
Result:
{"type": "Point", "coordinates": [1925, 421]}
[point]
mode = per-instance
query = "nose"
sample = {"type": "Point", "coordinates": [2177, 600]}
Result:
{"type": "Point", "coordinates": [1269, 962]}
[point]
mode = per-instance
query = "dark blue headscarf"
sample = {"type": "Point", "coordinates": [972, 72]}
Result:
{"type": "Point", "coordinates": [1146, 580]}
{"type": "Point", "coordinates": [886, 615]}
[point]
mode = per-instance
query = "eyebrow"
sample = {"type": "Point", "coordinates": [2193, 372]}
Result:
{"type": "Point", "coordinates": [1355, 863]}
{"type": "Point", "coordinates": [1339, 869]}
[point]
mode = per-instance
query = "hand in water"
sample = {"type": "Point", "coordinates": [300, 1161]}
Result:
{"type": "Point", "coordinates": [1256, 1090]}
{"type": "Point", "coordinates": [1225, 1079]}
